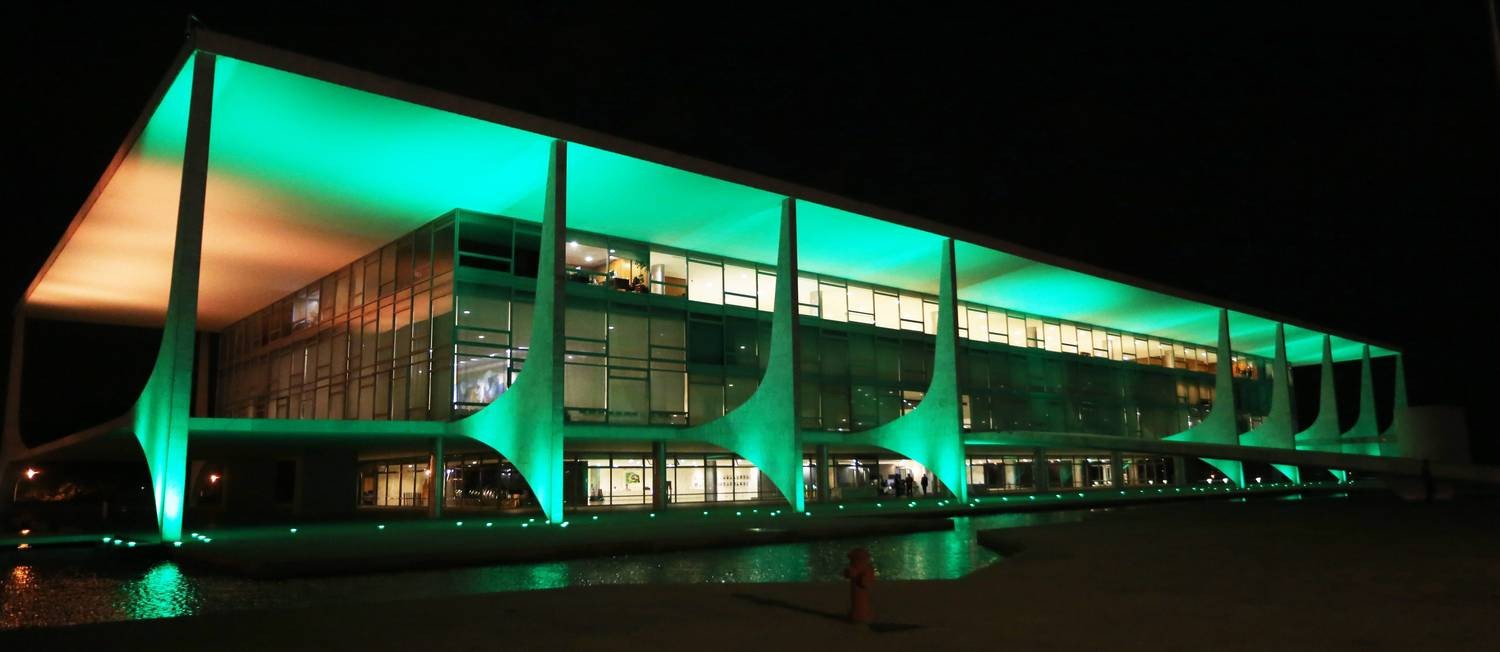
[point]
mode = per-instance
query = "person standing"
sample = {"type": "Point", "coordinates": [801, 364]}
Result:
{"type": "Point", "coordinates": [924, 484]}
{"type": "Point", "coordinates": [911, 485]}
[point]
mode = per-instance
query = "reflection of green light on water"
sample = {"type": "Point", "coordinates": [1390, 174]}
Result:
{"type": "Point", "coordinates": [163, 592]}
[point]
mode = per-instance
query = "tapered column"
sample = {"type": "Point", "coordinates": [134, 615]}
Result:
{"type": "Point", "coordinates": [1040, 473]}
{"type": "Point", "coordinates": [1116, 469]}
{"type": "Point", "coordinates": [1219, 427]}
{"type": "Point", "coordinates": [1323, 434]}
{"type": "Point", "coordinates": [932, 433]}
{"type": "Point", "coordinates": [1280, 424]}
{"type": "Point", "coordinates": [1179, 471]}
{"type": "Point", "coordinates": [1363, 438]}
{"type": "Point", "coordinates": [525, 424]}
{"type": "Point", "coordinates": [1397, 437]}
{"type": "Point", "coordinates": [162, 412]}
{"type": "Point", "coordinates": [763, 429]}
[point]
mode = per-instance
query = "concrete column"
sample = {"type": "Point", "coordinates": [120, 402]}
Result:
{"type": "Point", "coordinates": [10, 440]}
{"type": "Point", "coordinates": [201, 379]}
{"type": "Point", "coordinates": [824, 474]}
{"type": "Point", "coordinates": [659, 493]}
{"type": "Point", "coordinates": [1117, 469]}
{"type": "Point", "coordinates": [439, 474]}
{"type": "Point", "coordinates": [1179, 471]}
{"type": "Point", "coordinates": [161, 413]}
{"type": "Point", "coordinates": [1039, 471]}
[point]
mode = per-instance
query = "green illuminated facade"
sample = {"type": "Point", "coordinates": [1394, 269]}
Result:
{"type": "Point", "coordinates": [388, 298]}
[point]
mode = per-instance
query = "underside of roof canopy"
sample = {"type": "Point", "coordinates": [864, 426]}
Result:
{"type": "Point", "coordinates": [313, 165]}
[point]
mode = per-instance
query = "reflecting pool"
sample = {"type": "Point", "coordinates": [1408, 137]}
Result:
{"type": "Point", "coordinates": [77, 586]}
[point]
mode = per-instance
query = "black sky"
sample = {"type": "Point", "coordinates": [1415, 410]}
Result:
{"type": "Point", "coordinates": [1334, 163]}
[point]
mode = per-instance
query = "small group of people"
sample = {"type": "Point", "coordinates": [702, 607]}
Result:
{"type": "Point", "coordinates": [907, 486]}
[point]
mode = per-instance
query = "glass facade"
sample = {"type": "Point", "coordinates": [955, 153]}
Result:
{"type": "Point", "coordinates": [436, 325]}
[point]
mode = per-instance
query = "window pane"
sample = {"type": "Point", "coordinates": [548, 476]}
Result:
{"type": "Point", "coordinates": [887, 311]}
{"type": "Point", "coordinates": [766, 291]}
{"type": "Point", "coordinates": [835, 305]}
{"type": "Point", "coordinates": [669, 274]}
{"type": "Point", "coordinates": [739, 280]}
{"type": "Point", "coordinates": [705, 282]}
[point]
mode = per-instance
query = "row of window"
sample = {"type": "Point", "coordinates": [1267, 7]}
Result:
{"type": "Point", "coordinates": [621, 478]}
{"type": "Point", "coordinates": [380, 349]}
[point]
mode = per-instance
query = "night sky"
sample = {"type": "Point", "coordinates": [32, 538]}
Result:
{"type": "Point", "coordinates": [1335, 164]}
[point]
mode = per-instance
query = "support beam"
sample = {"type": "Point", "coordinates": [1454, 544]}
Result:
{"type": "Point", "coordinates": [11, 445]}
{"type": "Point", "coordinates": [439, 468]}
{"type": "Point", "coordinates": [932, 433]}
{"type": "Point", "coordinates": [1039, 470]}
{"type": "Point", "coordinates": [526, 423]}
{"type": "Point", "coordinates": [1219, 427]}
{"type": "Point", "coordinates": [763, 429]}
{"type": "Point", "coordinates": [1117, 469]}
{"type": "Point", "coordinates": [1363, 438]}
{"type": "Point", "coordinates": [824, 476]}
{"type": "Point", "coordinates": [659, 492]}
{"type": "Point", "coordinates": [1179, 471]}
{"type": "Point", "coordinates": [161, 413]}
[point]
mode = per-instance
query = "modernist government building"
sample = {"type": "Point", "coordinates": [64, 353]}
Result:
{"type": "Point", "coordinates": [374, 297]}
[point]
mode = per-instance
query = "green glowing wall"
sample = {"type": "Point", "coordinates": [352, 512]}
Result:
{"type": "Point", "coordinates": [526, 423]}
{"type": "Point", "coordinates": [932, 433]}
{"type": "Point", "coordinates": [1219, 426]}
{"type": "Point", "coordinates": [763, 429]}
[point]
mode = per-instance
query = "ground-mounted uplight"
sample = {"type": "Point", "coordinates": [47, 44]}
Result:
{"type": "Point", "coordinates": [380, 527]}
{"type": "Point", "coordinates": [489, 524]}
{"type": "Point", "coordinates": [653, 514]}
{"type": "Point", "coordinates": [459, 523]}
{"type": "Point", "coordinates": [841, 506]}
{"type": "Point", "coordinates": [525, 525]}
{"type": "Point", "coordinates": [595, 517]}
{"type": "Point", "coordinates": [130, 544]}
{"type": "Point", "coordinates": [23, 546]}
{"type": "Point", "coordinates": [1033, 497]}
{"type": "Point", "coordinates": [563, 524]}
{"type": "Point", "coordinates": [293, 530]}
{"type": "Point", "coordinates": [176, 544]}
{"type": "Point", "coordinates": [107, 539]}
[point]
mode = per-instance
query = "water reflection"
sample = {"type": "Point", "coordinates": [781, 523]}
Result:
{"type": "Point", "coordinates": [163, 592]}
{"type": "Point", "coordinates": [88, 589]}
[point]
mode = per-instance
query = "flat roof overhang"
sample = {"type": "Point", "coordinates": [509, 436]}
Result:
{"type": "Point", "coordinates": [313, 165]}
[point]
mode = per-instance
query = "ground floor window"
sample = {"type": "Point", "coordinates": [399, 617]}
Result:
{"type": "Point", "coordinates": [873, 476]}
{"type": "Point", "coordinates": [1079, 472]}
{"type": "Point", "coordinates": [1146, 471]}
{"type": "Point", "coordinates": [1001, 473]}
{"type": "Point", "coordinates": [613, 478]}
{"type": "Point", "coordinates": [715, 478]}
{"type": "Point", "coordinates": [395, 483]}
{"type": "Point", "coordinates": [479, 480]}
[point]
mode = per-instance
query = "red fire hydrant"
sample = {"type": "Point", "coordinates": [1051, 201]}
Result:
{"type": "Point", "coordinates": [861, 574]}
